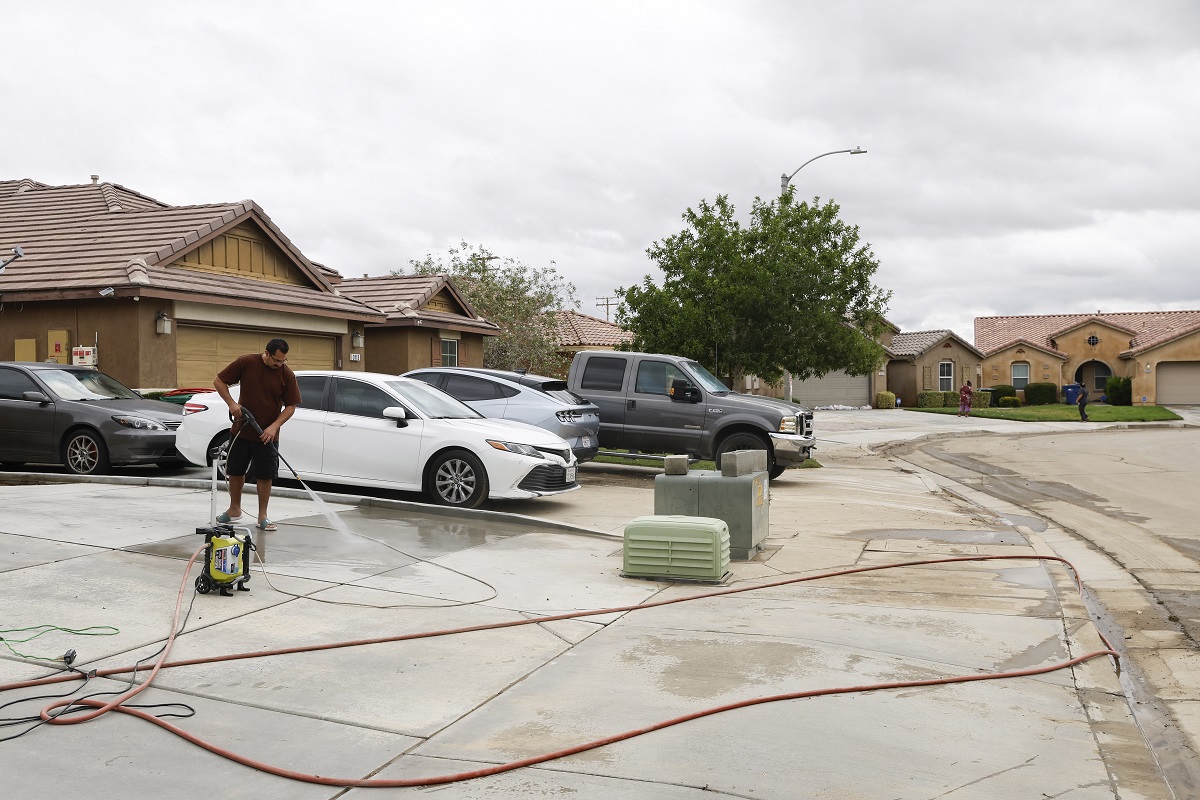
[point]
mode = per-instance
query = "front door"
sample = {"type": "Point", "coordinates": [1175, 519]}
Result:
{"type": "Point", "coordinates": [652, 418]}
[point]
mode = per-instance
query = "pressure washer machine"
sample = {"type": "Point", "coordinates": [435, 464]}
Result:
{"type": "Point", "coordinates": [226, 559]}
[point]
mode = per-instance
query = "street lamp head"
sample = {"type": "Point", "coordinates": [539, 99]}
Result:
{"type": "Point", "coordinates": [858, 151]}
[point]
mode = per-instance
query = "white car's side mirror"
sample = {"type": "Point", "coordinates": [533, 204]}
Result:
{"type": "Point", "coordinates": [397, 413]}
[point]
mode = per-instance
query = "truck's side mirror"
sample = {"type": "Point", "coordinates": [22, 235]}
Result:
{"type": "Point", "coordinates": [681, 392]}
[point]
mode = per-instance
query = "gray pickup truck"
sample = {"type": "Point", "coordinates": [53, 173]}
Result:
{"type": "Point", "coordinates": [651, 403]}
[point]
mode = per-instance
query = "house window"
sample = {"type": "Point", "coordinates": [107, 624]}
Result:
{"type": "Point", "coordinates": [1103, 373]}
{"type": "Point", "coordinates": [946, 376]}
{"type": "Point", "coordinates": [1020, 374]}
{"type": "Point", "coordinates": [449, 352]}
{"type": "Point", "coordinates": [1093, 340]}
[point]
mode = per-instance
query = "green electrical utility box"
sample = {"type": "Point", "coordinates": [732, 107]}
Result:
{"type": "Point", "coordinates": [742, 501]}
{"type": "Point", "coordinates": [674, 546]}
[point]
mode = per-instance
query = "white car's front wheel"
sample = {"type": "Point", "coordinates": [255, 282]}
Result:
{"type": "Point", "coordinates": [458, 479]}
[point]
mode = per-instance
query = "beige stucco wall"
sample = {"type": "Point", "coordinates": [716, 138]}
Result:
{"type": "Point", "coordinates": [1043, 367]}
{"type": "Point", "coordinates": [398, 350]}
{"type": "Point", "coordinates": [128, 347]}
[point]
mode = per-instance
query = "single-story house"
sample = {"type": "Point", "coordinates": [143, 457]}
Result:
{"type": "Point", "coordinates": [924, 361]}
{"type": "Point", "coordinates": [1158, 350]}
{"type": "Point", "coordinates": [575, 332]}
{"type": "Point", "coordinates": [162, 296]}
{"type": "Point", "coordinates": [427, 322]}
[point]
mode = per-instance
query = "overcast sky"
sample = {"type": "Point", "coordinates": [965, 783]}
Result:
{"type": "Point", "coordinates": [1024, 156]}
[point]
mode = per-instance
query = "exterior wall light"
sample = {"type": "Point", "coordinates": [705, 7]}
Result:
{"type": "Point", "coordinates": [357, 339]}
{"type": "Point", "coordinates": [162, 323]}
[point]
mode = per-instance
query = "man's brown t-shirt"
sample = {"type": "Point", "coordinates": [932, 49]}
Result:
{"type": "Point", "coordinates": [265, 391]}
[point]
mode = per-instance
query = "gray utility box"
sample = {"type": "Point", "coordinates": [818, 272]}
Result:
{"type": "Point", "coordinates": [742, 501]}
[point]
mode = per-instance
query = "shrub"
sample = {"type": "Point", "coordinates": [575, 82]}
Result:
{"type": "Point", "coordinates": [929, 400]}
{"type": "Point", "coordinates": [950, 399]}
{"type": "Point", "coordinates": [885, 400]}
{"type": "Point", "coordinates": [1009, 401]}
{"type": "Point", "coordinates": [1002, 390]}
{"type": "Point", "coordinates": [1119, 391]}
{"type": "Point", "coordinates": [981, 400]}
{"type": "Point", "coordinates": [1041, 394]}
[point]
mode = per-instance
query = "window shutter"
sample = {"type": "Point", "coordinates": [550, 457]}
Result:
{"type": "Point", "coordinates": [435, 352]}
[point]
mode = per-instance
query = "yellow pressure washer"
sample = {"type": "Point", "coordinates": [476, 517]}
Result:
{"type": "Point", "coordinates": [226, 559]}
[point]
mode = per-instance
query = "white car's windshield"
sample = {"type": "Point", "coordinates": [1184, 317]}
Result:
{"type": "Point", "coordinates": [706, 379]}
{"type": "Point", "coordinates": [431, 402]}
{"type": "Point", "coordinates": [72, 384]}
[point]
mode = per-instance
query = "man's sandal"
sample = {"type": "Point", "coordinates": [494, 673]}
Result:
{"type": "Point", "coordinates": [266, 525]}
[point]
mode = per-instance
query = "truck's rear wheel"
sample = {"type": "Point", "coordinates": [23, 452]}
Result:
{"type": "Point", "coordinates": [749, 441]}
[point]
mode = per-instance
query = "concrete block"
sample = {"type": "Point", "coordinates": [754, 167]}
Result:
{"type": "Point", "coordinates": [743, 462]}
{"type": "Point", "coordinates": [676, 465]}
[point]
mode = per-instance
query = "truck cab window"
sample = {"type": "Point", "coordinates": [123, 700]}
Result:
{"type": "Point", "coordinates": [655, 377]}
{"type": "Point", "coordinates": [603, 373]}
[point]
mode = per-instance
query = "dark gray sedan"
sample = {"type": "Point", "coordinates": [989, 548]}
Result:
{"type": "Point", "coordinates": [81, 418]}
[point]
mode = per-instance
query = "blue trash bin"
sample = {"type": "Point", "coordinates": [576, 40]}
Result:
{"type": "Point", "coordinates": [1071, 394]}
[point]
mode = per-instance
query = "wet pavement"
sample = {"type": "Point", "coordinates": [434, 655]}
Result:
{"type": "Point", "coordinates": [102, 553]}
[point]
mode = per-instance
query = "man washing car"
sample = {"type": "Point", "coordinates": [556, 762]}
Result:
{"type": "Point", "coordinates": [269, 392]}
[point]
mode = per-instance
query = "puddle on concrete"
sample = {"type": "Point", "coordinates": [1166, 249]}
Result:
{"type": "Point", "coordinates": [376, 536]}
{"type": "Point", "coordinates": [974, 536]}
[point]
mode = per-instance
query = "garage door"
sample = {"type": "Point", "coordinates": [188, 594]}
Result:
{"type": "Point", "coordinates": [835, 389]}
{"type": "Point", "coordinates": [203, 352]}
{"type": "Point", "coordinates": [1178, 383]}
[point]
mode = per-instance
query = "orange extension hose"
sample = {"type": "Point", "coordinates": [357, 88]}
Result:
{"type": "Point", "coordinates": [161, 663]}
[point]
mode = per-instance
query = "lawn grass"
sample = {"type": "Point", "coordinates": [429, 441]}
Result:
{"type": "Point", "coordinates": [646, 462]}
{"type": "Point", "coordinates": [1097, 412]}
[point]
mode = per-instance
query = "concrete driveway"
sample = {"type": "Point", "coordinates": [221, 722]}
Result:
{"type": "Point", "coordinates": [104, 553]}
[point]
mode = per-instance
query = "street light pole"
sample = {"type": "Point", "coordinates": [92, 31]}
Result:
{"type": "Point", "coordinates": [784, 180]}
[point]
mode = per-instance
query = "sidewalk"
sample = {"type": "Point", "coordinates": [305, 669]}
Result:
{"type": "Point", "coordinates": [78, 554]}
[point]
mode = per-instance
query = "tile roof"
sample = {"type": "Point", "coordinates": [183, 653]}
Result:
{"type": "Point", "coordinates": [1146, 329]}
{"type": "Point", "coordinates": [79, 239]}
{"type": "Point", "coordinates": [914, 343]}
{"type": "Point", "coordinates": [580, 330]}
{"type": "Point", "coordinates": [402, 298]}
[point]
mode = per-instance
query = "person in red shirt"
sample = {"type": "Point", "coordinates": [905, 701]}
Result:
{"type": "Point", "coordinates": [965, 394]}
{"type": "Point", "coordinates": [269, 392]}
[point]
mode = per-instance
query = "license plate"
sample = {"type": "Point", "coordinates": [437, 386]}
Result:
{"type": "Point", "coordinates": [585, 441]}
{"type": "Point", "coordinates": [570, 474]}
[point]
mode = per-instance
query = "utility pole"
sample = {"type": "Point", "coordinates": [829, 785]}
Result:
{"type": "Point", "coordinates": [608, 303]}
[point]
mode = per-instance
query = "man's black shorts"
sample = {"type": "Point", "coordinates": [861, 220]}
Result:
{"type": "Point", "coordinates": [244, 452]}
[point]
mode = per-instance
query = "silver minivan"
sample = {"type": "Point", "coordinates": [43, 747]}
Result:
{"type": "Point", "coordinates": [533, 399]}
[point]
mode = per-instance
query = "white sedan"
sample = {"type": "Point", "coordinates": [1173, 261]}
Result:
{"type": "Point", "coordinates": [370, 429]}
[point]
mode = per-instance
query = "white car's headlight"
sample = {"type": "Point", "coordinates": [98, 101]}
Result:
{"type": "Point", "coordinates": [513, 447]}
{"type": "Point", "coordinates": [141, 423]}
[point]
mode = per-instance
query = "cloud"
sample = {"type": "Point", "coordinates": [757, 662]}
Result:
{"type": "Point", "coordinates": [1024, 157]}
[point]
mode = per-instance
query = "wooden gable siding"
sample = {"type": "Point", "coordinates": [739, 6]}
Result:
{"type": "Point", "coordinates": [443, 301]}
{"type": "Point", "coordinates": [245, 252]}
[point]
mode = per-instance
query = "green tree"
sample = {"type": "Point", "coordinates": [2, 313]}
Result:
{"type": "Point", "coordinates": [518, 298]}
{"type": "Point", "coordinates": [790, 291]}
